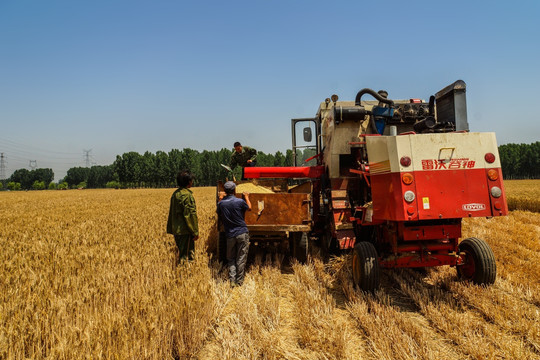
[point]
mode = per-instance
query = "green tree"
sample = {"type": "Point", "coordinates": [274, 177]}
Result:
{"type": "Point", "coordinates": [76, 175]}
{"type": "Point", "coordinates": [52, 186]}
{"type": "Point", "coordinates": [99, 176]}
{"type": "Point", "coordinates": [223, 156]}
{"type": "Point", "coordinates": [289, 158]}
{"type": "Point", "coordinates": [63, 186]}
{"type": "Point", "coordinates": [535, 153]}
{"type": "Point", "coordinates": [38, 185]}
{"type": "Point", "coordinates": [187, 159]}
{"type": "Point", "coordinates": [42, 175]}
{"type": "Point", "coordinates": [160, 174]}
{"type": "Point", "coordinates": [209, 168]}
{"type": "Point", "coordinates": [148, 169]}
{"type": "Point", "coordinates": [120, 168]}
{"type": "Point", "coordinates": [12, 185]}
{"type": "Point", "coordinates": [279, 159]}
{"type": "Point", "coordinates": [23, 177]}
{"type": "Point", "coordinates": [128, 168]}
{"type": "Point", "coordinates": [264, 159]}
{"type": "Point", "coordinates": [113, 185]}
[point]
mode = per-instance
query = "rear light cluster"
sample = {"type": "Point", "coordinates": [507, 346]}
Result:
{"type": "Point", "coordinates": [493, 175]}
{"type": "Point", "coordinates": [409, 195]}
{"type": "Point", "coordinates": [407, 178]}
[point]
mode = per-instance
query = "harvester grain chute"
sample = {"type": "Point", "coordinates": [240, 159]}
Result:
{"type": "Point", "coordinates": [392, 182]}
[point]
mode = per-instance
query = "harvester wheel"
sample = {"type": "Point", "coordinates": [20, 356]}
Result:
{"type": "Point", "coordinates": [300, 246]}
{"type": "Point", "coordinates": [478, 262]}
{"type": "Point", "coordinates": [365, 266]}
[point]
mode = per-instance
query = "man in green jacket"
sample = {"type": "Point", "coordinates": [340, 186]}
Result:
{"type": "Point", "coordinates": [182, 221]}
{"type": "Point", "coordinates": [244, 156]}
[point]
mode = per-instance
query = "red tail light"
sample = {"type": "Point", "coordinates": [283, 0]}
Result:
{"type": "Point", "coordinates": [405, 161]}
{"type": "Point", "coordinates": [490, 158]}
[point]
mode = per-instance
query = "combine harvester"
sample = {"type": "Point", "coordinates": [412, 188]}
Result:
{"type": "Point", "coordinates": [392, 181]}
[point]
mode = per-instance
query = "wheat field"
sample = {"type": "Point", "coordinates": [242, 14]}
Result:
{"type": "Point", "coordinates": [523, 194]}
{"type": "Point", "coordinates": [92, 275]}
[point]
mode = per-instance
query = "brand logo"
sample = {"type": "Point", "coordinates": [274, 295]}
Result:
{"type": "Point", "coordinates": [474, 207]}
{"type": "Point", "coordinates": [448, 164]}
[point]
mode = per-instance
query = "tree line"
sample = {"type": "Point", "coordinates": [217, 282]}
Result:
{"type": "Point", "coordinates": [520, 161]}
{"type": "Point", "coordinates": [131, 169]}
{"type": "Point", "coordinates": [155, 170]}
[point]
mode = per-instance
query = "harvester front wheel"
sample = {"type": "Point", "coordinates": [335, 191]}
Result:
{"type": "Point", "coordinates": [365, 266]}
{"type": "Point", "coordinates": [478, 262]}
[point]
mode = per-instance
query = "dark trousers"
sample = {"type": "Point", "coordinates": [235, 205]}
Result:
{"type": "Point", "coordinates": [237, 252]}
{"type": "Point", "coordinates": [186, 245]}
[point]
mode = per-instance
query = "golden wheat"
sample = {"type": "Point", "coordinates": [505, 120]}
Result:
{"type": "Point", "coordinates": [92, 274]}
{"type": "Point", "coordinates": [523, 194]}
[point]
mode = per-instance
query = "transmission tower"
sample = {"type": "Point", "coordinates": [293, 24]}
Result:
{"type": "Point", "coordinates": [33, 164]}
{"type": "Point", "coordinates": [2, 167]}
{"type": "Point", "coordinates": [87, 157]}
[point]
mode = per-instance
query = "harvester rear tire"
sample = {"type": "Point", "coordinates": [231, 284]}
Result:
{"type": "Point", "coordinates": [365, 266]}
{"type": "Point", "coordinates": [479, 262]}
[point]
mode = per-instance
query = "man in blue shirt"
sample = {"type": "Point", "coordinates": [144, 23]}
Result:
{"type": "Point", "coordinates": [231, 211]}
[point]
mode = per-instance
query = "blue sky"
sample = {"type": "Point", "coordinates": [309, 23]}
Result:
{"type": "Point", "coordinates": [119, 76]}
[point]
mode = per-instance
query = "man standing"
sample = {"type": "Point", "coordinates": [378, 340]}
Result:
{"type": "Point", "coordinates": [182, 221]}
{"type": "Point", "coordinates": [244, 156]}
{"type": "Point", "coordinates": [232, 211]}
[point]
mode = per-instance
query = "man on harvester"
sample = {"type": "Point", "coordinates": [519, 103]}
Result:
{"type": "Point", "coordinates": [244, 156]}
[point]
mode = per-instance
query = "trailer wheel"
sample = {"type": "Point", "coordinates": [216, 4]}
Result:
{"type": "Point", "coordinates": [478, 262]}
{"type": "Point", "coordinates": [300, 246]}
{"type": "Point", "coordinates": [365, 266]}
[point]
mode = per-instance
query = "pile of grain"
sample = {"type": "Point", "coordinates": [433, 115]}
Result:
{"type": "Point", "coordinates": [252, 189]}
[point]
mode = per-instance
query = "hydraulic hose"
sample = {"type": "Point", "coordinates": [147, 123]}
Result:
{"type": "Point", "coordinates": [358, 99]}
{"type": "Point", "coordinates": [377, 96]}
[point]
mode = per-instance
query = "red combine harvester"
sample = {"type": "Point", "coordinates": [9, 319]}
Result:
{"type": "Point", "coordinates": [392, 181]}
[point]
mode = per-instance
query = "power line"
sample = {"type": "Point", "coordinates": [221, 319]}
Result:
{"type": "Point", "coordinates": [23, 155]}
{"type": "Point", "coordinates": [9, 142]}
